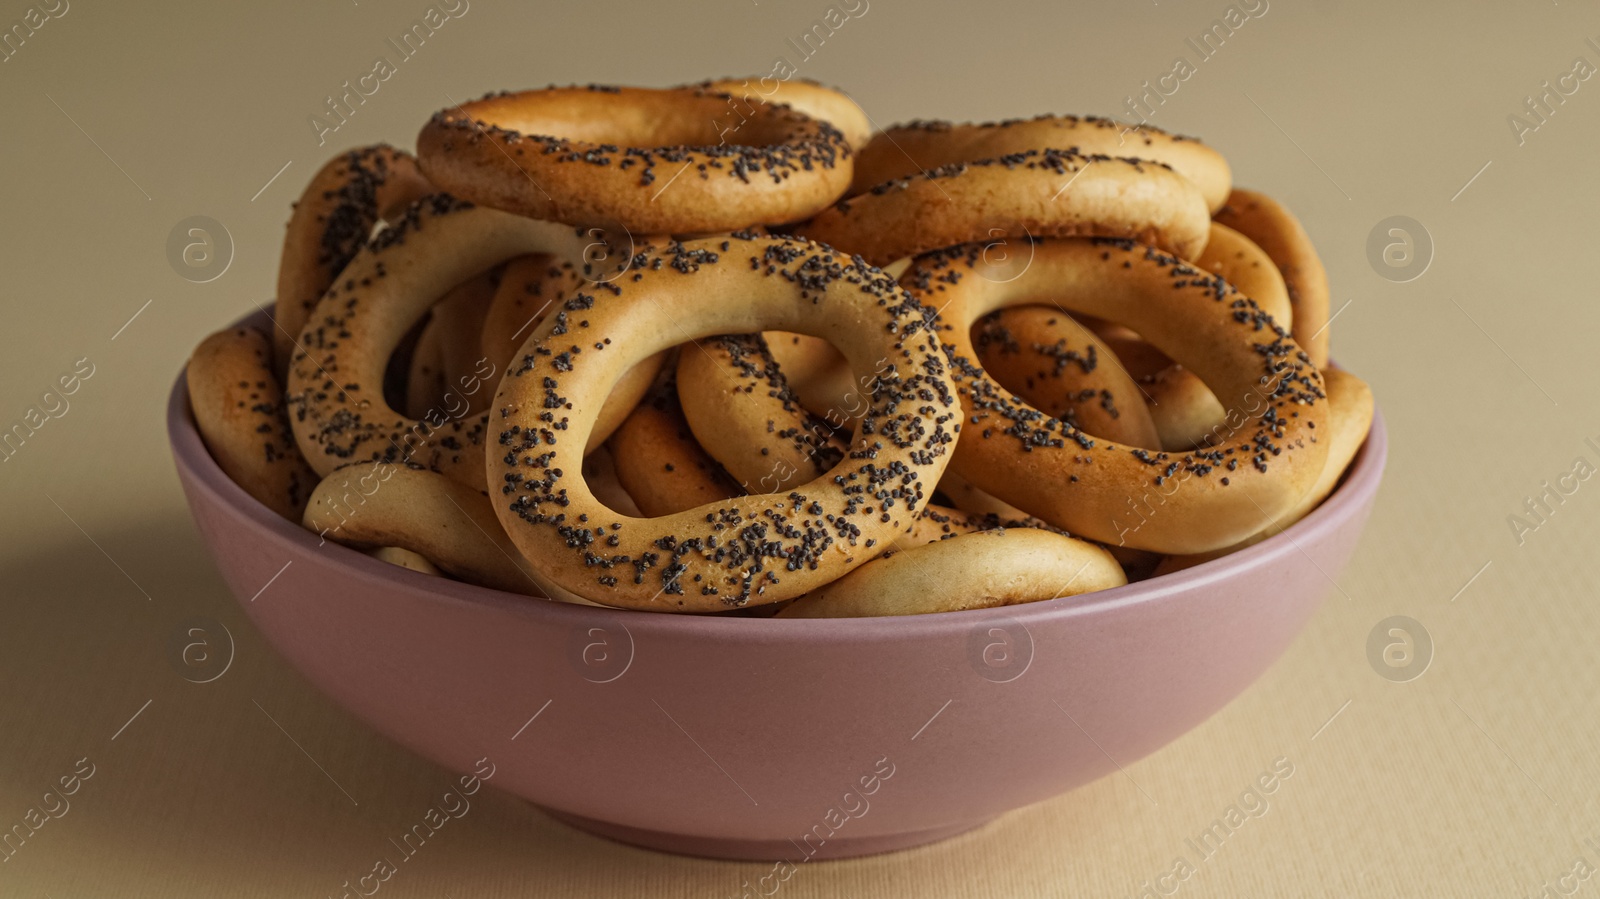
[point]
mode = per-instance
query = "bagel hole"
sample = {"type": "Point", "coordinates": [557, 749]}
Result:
{"type": "Point", "coordinates": [1065, 366]}
{"type": "Point", "coordinates": [674, 121]}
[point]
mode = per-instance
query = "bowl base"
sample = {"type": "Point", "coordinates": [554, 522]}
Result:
{"type": "Point", "coordinates": [761, 850]}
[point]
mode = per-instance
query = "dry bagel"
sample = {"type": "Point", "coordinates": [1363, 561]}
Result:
{"type": "Point", "coordinates": [340, 414]}
{"type": "Point", "coordinates": [919, 146]}
{"type": "Point", "coordinates": [980, 570]}
{"type": "Point", "coordinates": [240, 412]}
{"type": "Point", "coordinates": [335, 215]}
{"type": "Point", "coordinates": [1013, 199]}
{"type": "Point", "coordinates": [1275, 229]}
{"type": "Point", "coordinates": [818, 101]}
{"type": "Point", "coordinates": [748, 550]}
{"type": "Point", "coordinates": [1351, 407]}
{"type": "Point", "coordinates": [1265, 459]}
{"type": "Point", "coordinates": [641, 160]}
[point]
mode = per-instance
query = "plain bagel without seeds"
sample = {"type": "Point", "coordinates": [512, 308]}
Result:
{"type": "Point", "coordinates": [981, 570]}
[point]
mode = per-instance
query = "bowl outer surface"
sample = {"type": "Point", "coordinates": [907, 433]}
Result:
{"type": "Point", "coordinates": [757, 729]}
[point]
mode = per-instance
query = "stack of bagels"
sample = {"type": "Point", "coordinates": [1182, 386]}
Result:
{"type": "Point", "coordinates": [723, 348]}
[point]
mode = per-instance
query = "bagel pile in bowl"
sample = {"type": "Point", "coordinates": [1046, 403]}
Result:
{"type": "Point", "coordinates": [722, 349]}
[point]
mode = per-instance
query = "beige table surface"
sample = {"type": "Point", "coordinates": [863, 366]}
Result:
{"type": "Point", "coordinates": [1478, 778]}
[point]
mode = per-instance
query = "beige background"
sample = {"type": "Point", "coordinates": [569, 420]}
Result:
{"type": "Point", "coordinates": [1478, 778]}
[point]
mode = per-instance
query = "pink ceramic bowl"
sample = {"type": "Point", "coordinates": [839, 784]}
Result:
{"type": "Point", "coordinates": [771, 739]}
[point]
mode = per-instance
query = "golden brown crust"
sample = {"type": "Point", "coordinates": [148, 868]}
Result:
{"type": "Point", "coordinates": [967, 498]}
{"type": "Point", "coordinates": [1351, 408]}
{"type": "Point", "coordinates": [740, 408]}
{"type": "Point", "coordinates": [1275, 229]}
{"type": "Point", "coordinates": [1190, 502]}
{"type": "Point", "coordinates": [620, 388]}
{"type": "Point", "coordinates": [529, 286]}
{"type": "Point", "coordinates": [425, 381]}
{"type": "Point", "coordinates": [449, 350]}
{"type": "Point", "coordinates": [1181, 406]}
{"type": "Point", "coordinates": [239, 408]}
{"type": "Point", "coordinates": [642, 160]}
{"type": "Point", "coordinates": [1013, 199]}
{"type": "Point", "coordinates": [736, 400]}
{"type": "Point", "coordinates": [980, 570]}
{"type": "Point", "coordinates": [913, 147]}
{"type": "Point", "coordinates": [659, 462]}
{"type": "Point", "coordinates": [340, 415]}
{"type": "Point", "coordinates": [378, 504]}
{"type": "Point", "coordinates": [749, 550]}
{"type": "Point", "coordinates": [335, 215]}
{"type": "Point", "coordinates": [405, 558]}
{"type": "Point", "coordinates": [1185, 411]}
{"type": "Point", "coordinates": [600, 473]}
{"type": "Point", "coordinates": [818, 376]}
{"type": "Point", "coordinates": [1239, 261]}
{"type": "Point", "coordinates": [823, 103]}
{"type": "Point", "coordinates": [1066, 371]}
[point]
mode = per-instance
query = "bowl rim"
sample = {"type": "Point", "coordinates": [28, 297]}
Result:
{"type": "Point", "coordinates": [192, 458]}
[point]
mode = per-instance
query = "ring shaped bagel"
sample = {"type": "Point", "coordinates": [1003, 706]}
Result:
{"type": "Point", "coordinates": [750, 550]}
{"type": "Point", "coordinates": [1264, 459]}
{"type": "Point", "coordinates": [648, 161]}
{"type": "Point", "coordinates": [1065, 370]}
{"type": "Point", "coordinates": [1281, 236]}
{"type": "Point", "coordinates": [1037, 193]}
{"type": "Point", "coordinates": [825, 104]}
{"type": "Point", "coordinates": [981, 570]}
{"type": "Point", "coordinates": [1350, 404]}
{"type": "Point", "coordinates": [239, 409]}
{"type": "Point", "coordinates": [1181, 409]}
{"type": "Point", "coordinates": [335, 215]}
{"type": "Point", "coordinates": [335, 379]}
{"type": "Point", "coordinates": [919, 146]}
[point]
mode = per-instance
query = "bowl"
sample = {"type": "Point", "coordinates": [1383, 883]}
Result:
{"type": "Point", "coordinates": [751, 738]}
